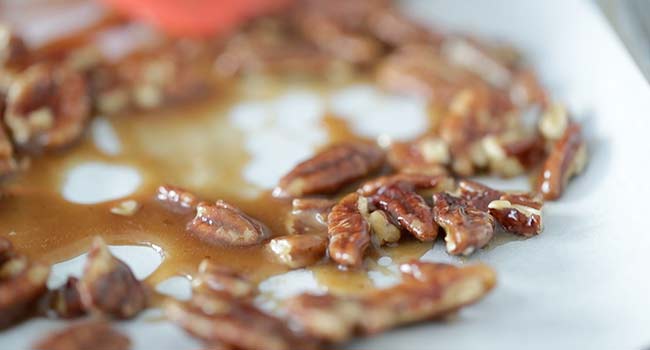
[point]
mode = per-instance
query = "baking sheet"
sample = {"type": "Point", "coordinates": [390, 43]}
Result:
{"type": "Point", "coordinates": [584, 282]}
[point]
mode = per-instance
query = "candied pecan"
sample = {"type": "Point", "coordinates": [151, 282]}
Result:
{"type": "Point", "coordinates": [297, 251]}
{"type": "Point", "coordinates": [47, 106]}
{"type": "Point", "coordinates": [223, 224]}
{"type": "Point", "coordinates": [331, 37]}
{"type": "Point", "coordinates": [226, 320]}
{"type": "Point", "coordinates": [518, 213]}
{"type": "Point", "coordinates": [467, 228]}
{"type": "Point", "coordinates": [328, 317]}
{"type": "Point", "coordinates": [309, 216]}
{"type": "Point", "coordinates": [22, 283]}
{"type": "Point", "coordinates": [330, 170]}
{"type": "Point", "coordinates": [348, 230]}
{"type": "Point", "coordinates": [409, 210]}
{"type": "Point", "coordinates": [176, 199]}
{"type": "Point", "coordinates": [212, 278]}
{"type": "Point", "coordinates": [476, 194]}
{"type": "Point", "coordinates": [390, 26]}
{"type": "Point", "coordinates": [526, 89]}
{"type": "Point", "coordinates": [383, 230]}
{"type": "Point", "coordinates": [568, 158]}
{"type": "Point", "coordinates": [13, 50]}
{"type": "Point", "coordinates": [96, 335]}
{"type": "Point", "coordinates": [108, 285]}
{"type": "Point", "coordinates": [511, 153]}
{"type": "Point", "coordinates": [426, 155]}
{"type": "Point", "coordinates": [65, 301]}
{"type": "Point", "coordinates": [427, 291]}
{"type": "Point", "coordinates": [407, 182]}
{"type": "Point", "coordinates": [554, 122]}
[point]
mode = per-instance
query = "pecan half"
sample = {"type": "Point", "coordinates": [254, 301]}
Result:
{"type": "Point", "coordinates": [223, 224]}
{"type": "Point", "coordinates": [22, 283]}
{"type": "Point", "coordinates": [427, 291]}
{"type": "Point", "coordinates": [230, 321]}
{"type": "Point", "coordinates": [477, 194]}
{"type": "Point", "coordinates": [213, 278]}
{"type": "Point", "coordinates": [297, 251]}
{"type": "Point", "coordinates": [409, 210]}
{"type": "Point", "coordinates": [568, 158]}
{"type": "Point", "coordinates": [96, 335]}
{"type": "Point", "coordinates": [407, 182]}
{"type": "Point", "coordinates": [467, 228]}
{"type": "Point", "coordinates": [47, 106]}
{"type": "Point", "coordinates": [426, 155]}
{"type": "Point", "coordinates": [348, 231]}
{"type": "Point", "coordinates": [176, 199]}
{"type": "Point", "coordinates": [309, 216]}
{"type": "Point", "coordinates": [330, 170]}
{"type": "Point", "coordinates": [108, 285]}
{"type": "Point", "coordinates": [383, 230]}
{"type": "Point", "coordinates": [518, 213]}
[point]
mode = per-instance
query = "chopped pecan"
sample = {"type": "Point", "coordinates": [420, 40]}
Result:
{"type": "Point", "coordinates": [518, 213]}
{"type": "Point", "coordinates": [22, 283]}
{"type": "Point", "coordinates": [330, 170]}
{"type": "Point", "coordinates": [47, 106]}
{"type": "Point", "coordinates": [13, 50]}
{"type": "Point", "coordinates": [383, 230]}
{"type": "Point", "coordinates": [176, 199]}
{"type": "Point", "coordinates": [223, 224]}
{"type": "Point", "coordinates": [309, 216]}
{"type": "Point", "coordinates": [226, 320]}
{"type": "Point", "coordinates": [407, 182]}
{"type": "Point", "coordinates": [409, 210]}
{"type": "Point", "coordinates": [213, 278]}
{"type": "Point", "coordinates": [467, 228]}
{"type": "Point", "coordinates": [297, 251]}
{"type": "Point", "coordinates": [348, 231]}
{"type": "Point", "coordinates": [97, 335]}
{"type": "Point", "coordinates": [568, 158]}
{"type": "Point", "coordinates": [427, 291]}
{"type": "Point", "coordinates": [65, 301]}
{"type": "Point", "coordinates": [108, 285]}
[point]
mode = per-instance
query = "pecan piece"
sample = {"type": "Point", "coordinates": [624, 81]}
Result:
{"type": "Point", "coordinates": [297, 251]}
{"type": "Point", "coordinates": [512, 153]}
{"type": "Point", "coordinates": [22, 283]}
{"type": "Point", "coordinates": [13, 50]}
{"type": "Point", "coordinates": [467, 228]}
{"type": "Point", "coordinates": [176, 199]}
{"type": "Point", "coordinates": [223, 224]}
{"type": "Point", "coordinates": [407, 182]}
{"type": "Point", "coordinates": [426, 155]}
{"type": "Point", "coordinates": [227, 320]}
{"type": "Point", "coordinates": [409, 210]}
{"type": "Point", "coordinates": [47, 106]}
{"type": "Point", "coordinates": [567, 159]}
{"type": "Point", "coordinates": [518, 213]}
{"type": "Point", "coordinates": [213, 278]}
{"type": "Point", "coordinates": [348, 230]}
{"type": "Point", "coordinates": [330, 170]}
{"type": "Point", "coordinates": [108, 285]}
{"type": "Point", "coordinates": [309, 216]}
{"type": "Point", "coordinates": [96, 335]}
{"type": "Point", "coordinates": [383, 230]}
{"type": "Point", "coordinates": [427, 291]}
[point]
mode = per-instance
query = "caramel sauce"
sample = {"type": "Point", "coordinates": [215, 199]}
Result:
{"type": "Point", "coordinates": [193, 146]}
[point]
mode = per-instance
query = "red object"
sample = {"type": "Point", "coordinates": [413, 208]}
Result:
{"type": "Point", "coordinates": [195, 17]}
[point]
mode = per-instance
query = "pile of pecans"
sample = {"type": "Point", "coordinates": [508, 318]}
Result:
{"type": "Point", "coordinates": [491, 116]}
